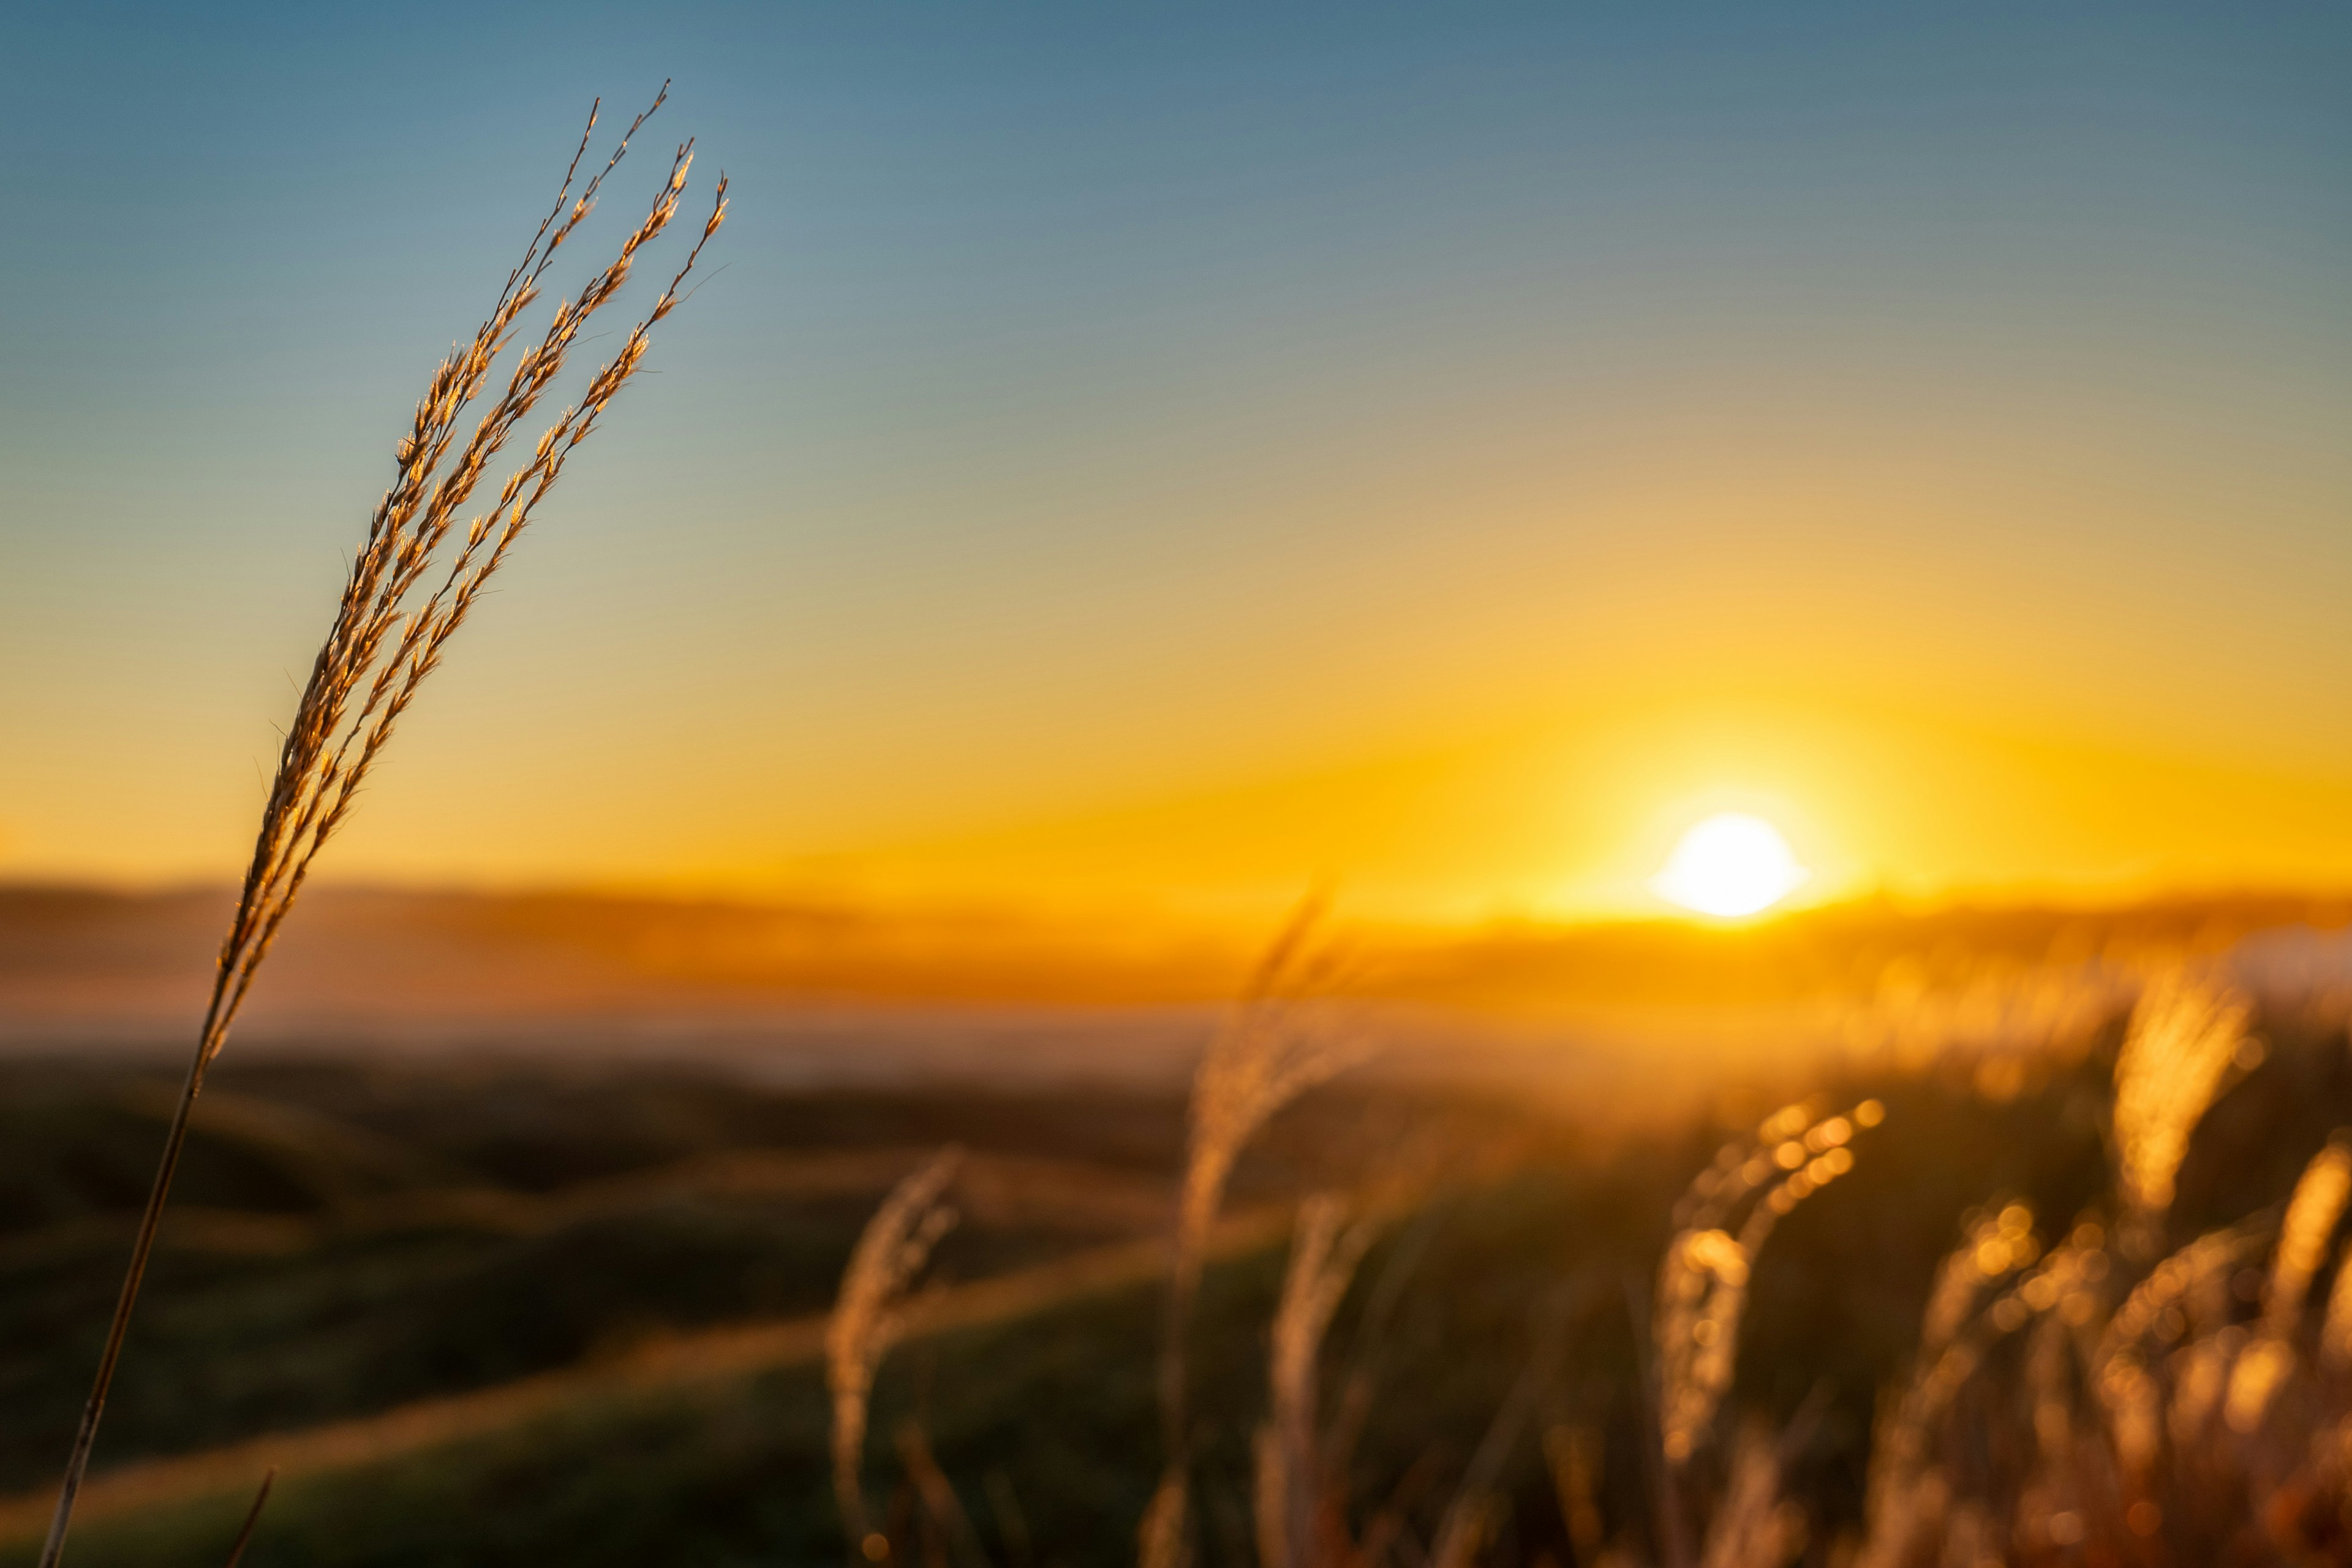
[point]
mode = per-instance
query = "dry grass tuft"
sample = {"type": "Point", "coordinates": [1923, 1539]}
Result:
{"type": "Point", "coordinates": [407, 594]}
{"type": "Point", "coordinates": [2073, 1397]}
{"type": "Point", "coordinates": [2086, 1404]}
{"type": "Point", "coordinates": [868, 1319]}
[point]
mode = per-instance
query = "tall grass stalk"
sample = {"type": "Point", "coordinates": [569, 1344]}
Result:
{"type": "Point", "coordinates": [1297, 1487]}
{"type": "Point", "coordinates": [1273, 1046]}
{"type": "Point", "coordinates": [406, 594]}
{"type": "Point", "coordinates": [252, 1520]}
{"type": "Point", "coordinates": [868, 1319]}
{"type": "Point", "coordinates": [1468, 1523]}
{"type": "Point", "coordinates": [950, 1527]}
{"type": "Point", "coordinates": [1721, 1224]}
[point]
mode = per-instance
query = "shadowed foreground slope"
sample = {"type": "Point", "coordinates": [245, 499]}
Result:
{"type": "Point", "coordinates": [578, 1256]}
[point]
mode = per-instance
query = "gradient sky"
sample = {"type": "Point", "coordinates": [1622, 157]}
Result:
{"type": "Point", "coordinates": [1155, 457]}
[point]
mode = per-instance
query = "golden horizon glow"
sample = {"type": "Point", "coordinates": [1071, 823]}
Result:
{"type": "Point", "coordinates": [1728, 866]}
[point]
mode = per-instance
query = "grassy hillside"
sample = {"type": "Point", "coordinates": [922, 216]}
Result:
{"type": "Point", "coordinates": [352, 1240]}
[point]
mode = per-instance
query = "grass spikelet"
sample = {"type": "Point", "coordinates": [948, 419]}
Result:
{"type": "Point", "coordinates": [2312, 1214]}
{"type": "Point", "coordinates": [2183, 1036]}
{"type": "Point", "coordinates": [2131, 1375]}
{"type": "Point", "coordinates": [408, 591]}
{"type": "Point", "coordinates": [868, 1319]}
{"type": "Point", "coordinates": [2188, 1289]}
{"type": "Point", "coordinates": [2303, 1236]}
{"type": "Point", "coordinates": [1701, 1284]}
{"type": "Point", "coordinates": [1998, 1242]}
{"type": "Point", "coordinates": [2161, 1427]}
{"type": "Point", "coordinates": [2184, 1301]}
{"type": "Point", "coordinates": [1703, 1278]}
{"type": "Point", "coordinates": [1293, 1476]}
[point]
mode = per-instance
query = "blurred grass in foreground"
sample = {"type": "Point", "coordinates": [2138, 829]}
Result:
{"type": "Point", "coordinates": [356, 1239]}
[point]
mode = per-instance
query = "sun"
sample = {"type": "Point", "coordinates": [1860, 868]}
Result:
{"type": "Point", "coordinates": [1731, 865]}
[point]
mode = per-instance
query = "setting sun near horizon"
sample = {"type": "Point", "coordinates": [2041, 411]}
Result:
{"type": "Point", "coordinates": [1728, 866]}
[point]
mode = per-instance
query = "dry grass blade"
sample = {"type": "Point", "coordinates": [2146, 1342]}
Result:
{"type": "Point", "coordinates": [1468, 1523]}
{"type": "Point", "coordinates": [1012, 1523]}
{"type": "Point", "coordinates": [1572, 1459]}
{"type": "Point", "coordinates": [252, 1518]}
{"type": "Point", "coordinates": [1161, 1539]}
{"type": "Point", "coordinates": [407, 595]}
{"type": "Point", "coordinates": [1463, 1533]}
{"type": "Point", "coordinates": [1755, 1526]}
{"type": "Point", "coordinates": [868, 1318]}
{"type": "Point", "coordinates": [943, 1512]}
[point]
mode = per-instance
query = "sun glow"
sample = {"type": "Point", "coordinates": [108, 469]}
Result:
{"type": "Point", "coordinates": [1731, 865]}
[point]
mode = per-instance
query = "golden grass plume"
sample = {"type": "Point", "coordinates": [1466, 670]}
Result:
{"type": "Point", "coordinates": [407, 593]}
{"type": "Point", "coordinates": [2184, 1035]}
{"type": "Point", "coordinates": [2095, 1401]}
{"type": "Point", "coordinates": [1703, 1280]}
{"type": "Point", "coordinates": [868, 1318]}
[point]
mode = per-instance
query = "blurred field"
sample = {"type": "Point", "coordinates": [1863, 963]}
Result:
{"type": "Point", "coordinates": [485, 1307]}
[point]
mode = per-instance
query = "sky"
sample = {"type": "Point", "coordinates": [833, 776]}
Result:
{"type": "Point", "coordinates": [1162, 456]}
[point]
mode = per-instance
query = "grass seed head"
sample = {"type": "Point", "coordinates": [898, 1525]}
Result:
{"type": "Point", "coordinates": [2183, 1036]}
{"type": "Point", "coordinates": [869, 1316]}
